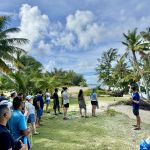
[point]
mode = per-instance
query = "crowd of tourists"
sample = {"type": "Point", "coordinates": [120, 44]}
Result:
{"type": "Point", "coordinates": [20, 115]}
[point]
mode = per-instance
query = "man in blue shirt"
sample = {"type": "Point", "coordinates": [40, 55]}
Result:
{"type": "Point", "coordinates": [136, 107]}
{"type": "Point", "coordinates": [17, 123]}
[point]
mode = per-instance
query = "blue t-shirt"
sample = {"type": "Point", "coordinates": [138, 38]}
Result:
{"type": "Point", "coordinates": [136, 97]}
{"type": "Point", "coordinates": [93, 97]}
{"type": "Point", "coordinates": [40, 99]}
{"type": "Point", "coordinates": [16, 124]}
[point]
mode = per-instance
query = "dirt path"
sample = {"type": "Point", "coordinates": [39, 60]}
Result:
{"type": "Point", "coordinates": [145, 115]}
{"type": "Point", "coordinates": [127, 110]}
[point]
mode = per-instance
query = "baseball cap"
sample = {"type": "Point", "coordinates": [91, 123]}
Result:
{"type": "Point", "coordinates": [29, 97]}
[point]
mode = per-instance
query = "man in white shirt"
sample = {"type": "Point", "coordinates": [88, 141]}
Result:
{"type": "Point", "coordinates": [65, 102]}
{"type": "Point", "coordinates": [47, 100]}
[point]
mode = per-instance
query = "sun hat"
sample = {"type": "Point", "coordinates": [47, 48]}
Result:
{"type": "Point", "coordinates": [29, 97]}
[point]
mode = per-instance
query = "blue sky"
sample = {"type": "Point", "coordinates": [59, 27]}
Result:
{"type": "Point", "coordinates": [72, 34]}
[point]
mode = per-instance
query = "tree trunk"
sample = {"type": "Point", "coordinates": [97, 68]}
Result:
{"type": "Point", "coordinates": [147, 92]}
{"type": "Point", "coordinates": [134, 57]}
{"type": "Point", "coordinates": [139, 84]}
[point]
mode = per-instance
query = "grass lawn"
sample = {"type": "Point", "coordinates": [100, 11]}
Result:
{"type": "Point", "coordinates": [108, 131]}
{"type": "Point", "coordinates": [113, 99]}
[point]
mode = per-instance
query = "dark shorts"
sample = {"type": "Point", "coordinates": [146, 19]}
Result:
{"type": "Point", "coordinates": [39, 113]}
{"type": "Point", "coordinates": [66, 105]}
{"type": "Point", "coordinates": [94, 103]}
{"type": "Point", "coordinates": [47, 102]}
{"type": "Point", "coordinates": [31, 118]}
{"type": "Point", "coordinates": [136, 111]}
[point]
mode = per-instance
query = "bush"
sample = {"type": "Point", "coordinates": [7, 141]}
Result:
{"type": "Point", "coordinates": [116, 93]}
{"type": "Point", "coordinates": [99, 92]}
{"type": "Point", "coordinates": [111, 112]}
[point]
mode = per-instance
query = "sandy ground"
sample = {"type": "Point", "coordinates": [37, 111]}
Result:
{"type": "Point", "coordinates": [75, 89]}
{"type": "Point", "coordinates": [145, 115]}
{"type": "Point", "coordinates": [127, 110]}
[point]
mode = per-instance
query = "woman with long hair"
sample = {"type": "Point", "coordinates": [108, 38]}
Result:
{"type": "Point", "coordinates": [81, 102]}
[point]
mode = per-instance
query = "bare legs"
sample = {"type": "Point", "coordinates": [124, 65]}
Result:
{"type": "Point", "coordinates": [94, 110]}
{"type": "Point", "coordinates": [65, 112]}
{"type": "Point", "coordinates": [138, 121]}
{"type": "Point", "coordinates": [47, 105]}
{"type": "Point", "coordinates": [81, 112]}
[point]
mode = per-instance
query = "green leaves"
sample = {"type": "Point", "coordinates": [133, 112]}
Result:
{"type": "Point", "coordinates": [8, 47]}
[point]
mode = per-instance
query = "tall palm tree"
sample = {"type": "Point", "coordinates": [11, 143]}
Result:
{"type": "Point", "coordinates": [134, 43]}
{"type": "Point", "coordinates": [8, 47]}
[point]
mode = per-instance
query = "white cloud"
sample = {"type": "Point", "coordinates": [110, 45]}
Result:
{"type": "Point", "coordinates": [80, 32]}
{"type": "Point", "coordinates": [83, 24]}
{"type": "Point", "coordinates": [50, 65]}
{"type": "Point", "coordinates": [81, 39]}
{"type": "Point", "coordinates": [33, 24]}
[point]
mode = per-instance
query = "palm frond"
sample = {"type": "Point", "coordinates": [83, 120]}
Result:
{"type": "Point", "coordinates": [14, 41]}
{"type": "Point", "coordinates": [4, 67]}
{"type": "Point", "coordinates": [4, 34]}
{"type": "Point", "coordinates": [3, 21]}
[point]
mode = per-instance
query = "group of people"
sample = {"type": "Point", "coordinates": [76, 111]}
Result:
{"type": "Point", "coordinates": [16, 113]}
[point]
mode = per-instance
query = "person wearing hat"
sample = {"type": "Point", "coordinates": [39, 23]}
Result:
{"type": "Point", "coordinates": [31, 113]}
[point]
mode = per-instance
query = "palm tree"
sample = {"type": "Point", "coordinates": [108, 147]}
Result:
{"type": "Point", "coordinates": [8, 46]}
{"type": "Point", "coordinates": [134, 44]}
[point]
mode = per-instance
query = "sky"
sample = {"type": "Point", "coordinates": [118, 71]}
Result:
{"type": "Point", "coordinates": [72, 34]}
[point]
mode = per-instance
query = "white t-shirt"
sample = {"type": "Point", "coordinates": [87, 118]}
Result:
{"type": "Point", "coordinates": [65, 97]}
{"type": "Point", "coordinates": [30, 108]}
{"type": "Point", "coordinates": [47, 96]}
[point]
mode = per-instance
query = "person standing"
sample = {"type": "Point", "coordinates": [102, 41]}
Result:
{"type": "Point", "coordinates": [81, 102]}
{"type": "Point", "coordinates": [94, 103]}
{"type": "Point", "coordinates": [56, 102]}
{"type": "Point", "coordinates": [136, 107]}
{"type": "Point", "coordinates": [65, 102]}
{"type": "Point", "coordinates": [62, 97]}
{"type": "Point", "coordinates": [31, 113]}
{"type": "Point", "coordinates": [17, 123]}
{"type": "Point", "coordinates": [6, 140]}
{"type": "Point", "coordinates": [47, 100]}
{"type": "Point", "coordinates": [40, 106]}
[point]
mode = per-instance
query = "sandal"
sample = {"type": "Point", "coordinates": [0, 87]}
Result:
{"type": "Point", "coordinates": [134, 125]}
{"type": "Point", "coordinates": [137, 128]}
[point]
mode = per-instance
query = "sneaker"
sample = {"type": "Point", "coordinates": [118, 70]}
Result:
{"type": "Point", "coordinates": [86, 116]}
{"type": "Point", "coordinates": [65, 118]}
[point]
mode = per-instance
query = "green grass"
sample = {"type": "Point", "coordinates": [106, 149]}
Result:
{"type": "Point", "coordinates": [112, 99]}
{"type": "Point", "coordinates": [108, 131]}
